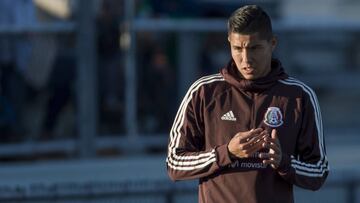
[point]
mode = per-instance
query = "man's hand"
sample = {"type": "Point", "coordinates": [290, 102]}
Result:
{"type": "Point", "coordinates": [245, 144]}
{"type": "Point", "coordinates": [274, 156]}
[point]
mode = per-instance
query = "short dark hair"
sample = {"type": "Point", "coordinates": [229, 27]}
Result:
{"type": "Point", "coordinates": [250, 19]}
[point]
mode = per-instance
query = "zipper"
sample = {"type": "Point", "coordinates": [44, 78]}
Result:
{"type": "Point", "coordinates": [253, 114]}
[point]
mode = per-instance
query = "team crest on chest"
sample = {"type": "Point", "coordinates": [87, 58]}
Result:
{"type": "Point", "coordinates": [273, 117]}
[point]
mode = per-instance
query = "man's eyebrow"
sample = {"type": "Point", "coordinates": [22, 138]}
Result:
{"type": "Point", "coordinates": [247, 45]}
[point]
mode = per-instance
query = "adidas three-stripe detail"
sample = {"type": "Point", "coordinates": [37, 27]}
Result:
{"type": "Point", "coordinates": [189, 162]}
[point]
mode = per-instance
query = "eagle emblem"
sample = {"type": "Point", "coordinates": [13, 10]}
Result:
{"type": "Point", "coordinates": [273, 117]}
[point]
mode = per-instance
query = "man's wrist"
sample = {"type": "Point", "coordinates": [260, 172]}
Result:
{"type": "Point", "coordinates": [231, 155]}
{"type": "Point", "coordinates": [284, 165]}
{"type": "Point", "coordinates": [223, 156]}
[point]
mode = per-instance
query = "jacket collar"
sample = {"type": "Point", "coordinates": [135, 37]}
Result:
{"type": "Point", "coordinates": [231, 75]}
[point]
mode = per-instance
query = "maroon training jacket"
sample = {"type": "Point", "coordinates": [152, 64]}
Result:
{"type": "Point", "coordinates": [218, 106]}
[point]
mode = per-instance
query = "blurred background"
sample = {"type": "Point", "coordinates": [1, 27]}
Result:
{"type": "Point", "coordinates": [89, 90]}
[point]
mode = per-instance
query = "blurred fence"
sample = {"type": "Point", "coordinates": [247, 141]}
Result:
{"type": "Point", "coordinates": [137, 179]}
{"type": "Point", "coordinates": [345, 189]}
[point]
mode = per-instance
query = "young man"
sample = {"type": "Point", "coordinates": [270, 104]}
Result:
{"type": "Point", "coordinates": [251, 132]}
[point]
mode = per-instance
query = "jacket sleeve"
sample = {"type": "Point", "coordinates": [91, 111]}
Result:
{"type": "Point", "coordinates": [187, 157]}
{"type": "Point", "coordinates": [308, 168]}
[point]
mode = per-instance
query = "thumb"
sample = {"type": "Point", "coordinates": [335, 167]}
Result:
{"type": "Point", "coordinates": [274, 134]}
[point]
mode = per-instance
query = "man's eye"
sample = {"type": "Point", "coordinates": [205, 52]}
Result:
{"type": "Point", "coordinates": [255, 47]}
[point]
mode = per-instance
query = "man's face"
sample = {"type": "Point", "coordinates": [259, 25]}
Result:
{"type": "Point", "coordinates": [252, 54]}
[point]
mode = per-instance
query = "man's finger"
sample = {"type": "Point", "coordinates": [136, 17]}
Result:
{"type": "Point", "coordinates": [274, 134]}
{"type": "Point", "coordinates": [250, 149]}
{"type": "Point", "coordinates": [274, 147]}
{"type": "Point", "coordinates": [269, 139]}
{"type": "Point", "coordinates": [269, 156]}
{"type": "Point", "coordinates": [250, 134]}
{"type": "Point", "coordinates": [274, 137]}
{"type": "Point", "coordinates": [273, 163]}
{"type": "Point", "coordinates": [262, 137]}
{"type": "Point", "coordinates": [253, 132]}
{"type": "Point", "coordinates": [257, 140]}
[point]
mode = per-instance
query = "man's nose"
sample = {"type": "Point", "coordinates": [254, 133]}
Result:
{"type": "Point", "coordinates": [246, 56]}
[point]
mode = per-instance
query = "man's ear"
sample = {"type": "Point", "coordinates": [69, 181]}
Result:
{"type": "Point", "coordinates": [273, 43]}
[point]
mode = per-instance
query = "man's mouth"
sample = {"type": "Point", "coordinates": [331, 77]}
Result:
{"type": "Point", "coordinates": [249, 70]}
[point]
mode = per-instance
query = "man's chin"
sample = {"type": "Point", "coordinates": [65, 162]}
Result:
{"type": "Point", "coordinates": [250, 77]}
